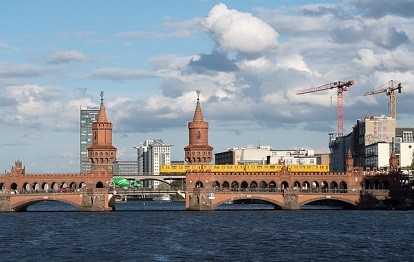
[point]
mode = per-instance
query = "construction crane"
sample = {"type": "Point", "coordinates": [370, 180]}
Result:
{"type": "Point", "coordinates": [341, 87]}
{"type": "Point", "coordinates": [390, 91]}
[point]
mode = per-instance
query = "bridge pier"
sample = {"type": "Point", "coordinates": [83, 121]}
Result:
{"type": "Point", "coordinates": [290, 201]}
{"type": "Point", "coordinates": [5, 203]}
{"type": "Point", "coordinates": [198, 201]}
{"type": "Point", "coordinates": [97, 199]}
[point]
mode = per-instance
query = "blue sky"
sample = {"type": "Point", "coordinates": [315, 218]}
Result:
{"type": "Point", "coordinates": [248, 58]}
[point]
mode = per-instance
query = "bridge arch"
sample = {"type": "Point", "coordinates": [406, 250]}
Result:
{"type": "Point", "coordinates": [276, 204]}
{"type": "Point", "coordinates": [263, 185]}
{"type": "Point", "coordinates": [26, 186]}
{"type": "Point", "coordinates": [324, 186]}
{"type": "Point", "coordinates": [296, 185]}
{"type": "Point", "coordinates": [253, 186]}
{"type": "Point", "coordinates": [315, 186]}
{"type": "Point", "coordinates": [35, 187]}
{"type": "Point", "coordinates": [234, 186]}
{"type": "Point", "coordinates": [272, 186]}
{"type": "Point", "coordinates": [333, 185]}
{"type": "Point", "coordinates": [337, 198]}
{"type": "Point", "coordinates": [216, 185]}
{"type": "Point", "coordinates": [23, 205]}
{"type": "Point", "coordinates": [343, 186]}
{"type": "Point", "coordinates": [244, 185]}
{"type": "Point", "coordinates": [54, 186]}
{"type": "Point", "coordinates": [226, 185]}
{"type": "Point", "coordinates": [45, 187]}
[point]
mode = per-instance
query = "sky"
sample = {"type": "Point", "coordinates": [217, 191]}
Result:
{"type": "Point", "coordinates": [248, 59]}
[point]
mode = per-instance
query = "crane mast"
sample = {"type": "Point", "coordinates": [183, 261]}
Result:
{"type": "Point", "coordinates": [389, 91]}
{"type": "Point", "coordinates": [341, 87]}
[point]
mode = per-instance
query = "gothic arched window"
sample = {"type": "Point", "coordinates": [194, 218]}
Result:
{"type": "Point", "coordinates": [198, 136]}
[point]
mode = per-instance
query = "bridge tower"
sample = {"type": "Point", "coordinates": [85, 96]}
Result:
{"type": "Point", "coordinates": [102, 153]}
{"type": "Point", "coordinates": [198, 150]}
{"type": "Point", "coordinates": [349, 161]}
{"type": "Point", "coordinates": [393, 162]}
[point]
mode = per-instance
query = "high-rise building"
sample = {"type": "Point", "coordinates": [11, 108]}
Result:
{"type": "Point", "coordinates": [88, 115]}
{"type": "Point", "coordinates": [151, 155]}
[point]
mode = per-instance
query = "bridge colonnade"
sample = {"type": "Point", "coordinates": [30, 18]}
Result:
{"type": "Point", "coordinates": [286, 190]}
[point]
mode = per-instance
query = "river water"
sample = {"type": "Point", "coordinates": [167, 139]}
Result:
{"type": "Point", "coordinates": [154, 231]}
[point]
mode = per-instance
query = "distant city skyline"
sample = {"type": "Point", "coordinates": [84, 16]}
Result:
{"type": "Point", "coordinates": [248, 58]}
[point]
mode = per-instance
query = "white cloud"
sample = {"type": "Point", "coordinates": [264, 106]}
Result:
{"type": "Point", "coordinates": [16, 70]}
{"type": "Point", "coordinates": [237, 31]}
{"type": "Point", "coordinates": [398, 59]}
{"type": "Point", "coordinates": [65, 57]}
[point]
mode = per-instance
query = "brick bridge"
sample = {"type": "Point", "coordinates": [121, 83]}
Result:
{"type": "Point", "coordinates": [86, 191]}
{"type": "Point", "coordinates": [289, 190]}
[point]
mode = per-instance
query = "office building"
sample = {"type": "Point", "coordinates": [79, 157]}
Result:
{"type": "Point", "coordinates": [88, 115]}
{"type": "Point", "coordinates": [150, 156]}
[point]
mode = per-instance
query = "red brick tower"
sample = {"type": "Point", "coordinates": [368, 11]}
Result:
{"type": "Point", "coordinates": [349, 161]}
{"type": "Point", "coordinates": [102, 153]}
{"type": "Point", "coordinates": [393, 162]}
{"type": "Point", "coordinates": [198, 150]}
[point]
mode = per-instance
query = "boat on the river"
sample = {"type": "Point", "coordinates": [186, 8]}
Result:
{"type": "Point", "coordinates": [121, 199]}
{"type": "Point", "coordinates": [163, 197]}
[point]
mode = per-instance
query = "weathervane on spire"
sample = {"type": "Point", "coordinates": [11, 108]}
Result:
{"type": "Point", "coordinates": [198, 94]}
{"type": "Point", "coordinates": [102, 95]}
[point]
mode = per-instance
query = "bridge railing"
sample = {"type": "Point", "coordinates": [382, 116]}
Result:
{"type": "Point", "coordinates": [43, 191]}
{"type": "Point", "coordinates": [291, 190]}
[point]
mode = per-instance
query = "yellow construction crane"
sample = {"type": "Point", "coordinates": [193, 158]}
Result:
{"type": "Point", "coordinates": [390, 91]}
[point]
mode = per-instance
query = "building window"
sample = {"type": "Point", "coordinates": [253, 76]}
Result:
{"type": "Point", "coordinates": [198, 135]}
{"type": "Point", "coordinates": [407, 136]}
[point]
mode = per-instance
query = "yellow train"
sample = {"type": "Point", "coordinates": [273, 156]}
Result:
{"type": "Point", "coordinates": [250, 168]}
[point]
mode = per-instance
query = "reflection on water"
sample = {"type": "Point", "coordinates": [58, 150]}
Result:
{"type": "Point", "coordinates": [54, 206]}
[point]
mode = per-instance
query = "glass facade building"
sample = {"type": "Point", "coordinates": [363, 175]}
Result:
{"type": "Point", "coordinates": [87, 117]}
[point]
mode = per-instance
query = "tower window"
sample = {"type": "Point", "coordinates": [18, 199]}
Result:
{"type": "Point", "coordinates": [198, 135]}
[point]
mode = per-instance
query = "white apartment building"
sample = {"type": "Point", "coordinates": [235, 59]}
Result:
{"type": "Point", "coordinates": [252, 155]}
{"type": "Point", "coordinates": [266, 155]}
{"type": "Point", "coordinates": [151, 155]}
{"type": "Point", "coordinates": [296, 157]}
{"type": "Point", "coordinates": [377, 156]}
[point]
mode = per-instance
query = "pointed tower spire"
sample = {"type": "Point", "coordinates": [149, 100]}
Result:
{"type": "Point", "coordinates": [102, 153]}
{"type": "Point", "coordinates": [198, 149]}
{"type": "Point", "coordinates": [102, 115]}
{"type": "Point", "coordinates": [198, 115]}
